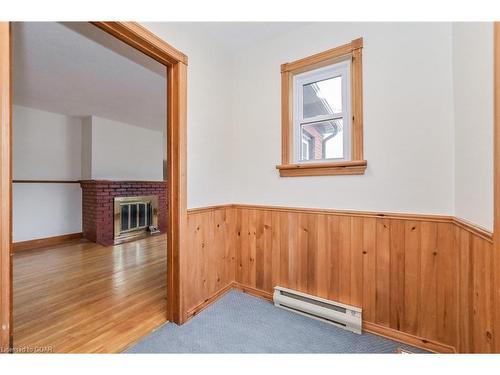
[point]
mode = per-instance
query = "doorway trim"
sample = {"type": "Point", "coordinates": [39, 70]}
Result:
{"type": "Point", "coordinates": [175, 62]}
{"type": "Point", "coordinates": [496, 188]}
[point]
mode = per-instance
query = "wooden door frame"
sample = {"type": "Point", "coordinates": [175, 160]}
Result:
{"type": "Point", "coordinates": [175, 62]}
{"type": "Point", "coordinates": [496, 189]}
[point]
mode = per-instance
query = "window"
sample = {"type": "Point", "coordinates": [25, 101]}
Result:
{"type": "Point", "coordinates": [322, 113]}
{"type": "Point", "coordinates": [322, 116]}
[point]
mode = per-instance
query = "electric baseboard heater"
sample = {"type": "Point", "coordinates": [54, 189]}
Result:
{"type": "Point", "coordinates": [336, 313]}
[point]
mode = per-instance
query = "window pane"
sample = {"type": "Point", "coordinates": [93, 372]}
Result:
{"type": "Point", "coordinates": [322, 140]}
{"type": "Point", "coordinates": [150, 215]}
{"type": "Point", "coordinates": [142, 214]}
{"type": "Point", "coordinates": [124, 217]}
{"type": "Point", "coordinates": [322, 97]}
{"type": "Point", "coordinates": [133, 216]}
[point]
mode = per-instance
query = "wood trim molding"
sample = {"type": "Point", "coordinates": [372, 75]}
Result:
{"type": "Point", "coordinates": [322, 169]}
{"type": "Point", "coordinates": [462, 223]}
{"type": "Point", "coordinates": [474, 229]}
{"type": "Point", "coordinates": [145, 41]}
{"type": "Point", "coordinates": [357, 102]}
{"type": "Point", "coordinates": [496, 189]}
{"type": "Point", "coordinates": [286, 117]}
{"type": "Point", "coordinates": [419, 342]}
{"type": "Point", "coordinates": [253, 291]}
{"type": "Point", "coordinates": [45, 181]}
{"type": "Point", "coordinates": [381, 215]}
{"type": "Point", "coordinates": [45, 242]}
{"type": "Point", "coordinates": [199, 210]}
{"type": "Point", "coordinates": [322, 58]}
{"type": "Point", "coordinates": [202, 306]}
{"type": "Point", "coordinates": [288, 70]}
{"type": "Point", "coordinates": [177, 271]}
{"type": "Point", "coordinates": [5, 189]}
{"type": "Point", "coordinates": [87, 181]}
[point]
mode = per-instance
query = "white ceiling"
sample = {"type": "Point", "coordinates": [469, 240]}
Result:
{"type": "Point", "coordinates": [235, 36]}
{"type": "Point", "coordinates": [78, 70]}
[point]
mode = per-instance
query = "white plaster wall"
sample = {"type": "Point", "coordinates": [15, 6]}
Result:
{"type": "Point", "coordinates": [473, 94]}
{"type": "Point", "coordinates": [122, 151]}
{"type": "Point", "coordinates": [210, 123]}
{"type": "Point", "coordinates": [408, 120]}
{"type": "Point", "coordinates": [46, 210]}
{"type": "Point", "coordinates": [46, 146]}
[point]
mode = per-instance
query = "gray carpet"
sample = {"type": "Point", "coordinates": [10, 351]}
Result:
{"type": "Point", "coordinates": [240, 323]}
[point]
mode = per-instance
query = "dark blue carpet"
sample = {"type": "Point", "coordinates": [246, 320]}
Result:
{"type": "Point", "coordinates": [240, 323]}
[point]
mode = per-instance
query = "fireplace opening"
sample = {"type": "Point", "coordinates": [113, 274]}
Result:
{"type": "Point", "coordinates": [135, 216]}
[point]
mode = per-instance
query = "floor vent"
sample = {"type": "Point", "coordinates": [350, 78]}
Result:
{"type": "Point", "coordinates": [338, 314]}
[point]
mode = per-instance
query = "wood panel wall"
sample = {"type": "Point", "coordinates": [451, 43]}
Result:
{"type": "Point", "coordinates": [426, 280]}
{"type": "Point", "coordinates": [210, 260]}
{"type": "Point", "coordinates": [475, 285]}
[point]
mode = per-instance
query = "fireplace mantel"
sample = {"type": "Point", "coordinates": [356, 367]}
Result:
{"type": "Point", "coordinates": [98, 205]}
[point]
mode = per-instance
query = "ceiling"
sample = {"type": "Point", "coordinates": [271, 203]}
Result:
{"type": "Point", "coordinates": [78, 70]}
{"type": "Point", "coordinates": [235, 36]}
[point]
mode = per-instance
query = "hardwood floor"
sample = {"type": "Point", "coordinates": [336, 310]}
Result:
{"type": "Point", "coordinates": [87, 298]}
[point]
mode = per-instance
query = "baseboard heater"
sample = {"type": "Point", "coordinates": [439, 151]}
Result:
{"type": "Point", "coordinates": [336, 313]}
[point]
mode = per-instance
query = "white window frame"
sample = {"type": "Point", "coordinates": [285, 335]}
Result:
{"type": "Point", "coordinates": [302, 142]}
{"type": "Point", "coordinates": [340, 69]}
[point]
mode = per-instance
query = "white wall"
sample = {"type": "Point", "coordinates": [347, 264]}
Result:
{"type": "Point", "coordinates": [473, 93]}
{"type": "Point", "coordinates": [86, 161]}
{"type": "Point", "coordinates": [408, 120]}
{"type": "Point", "coordinates": [119, 151]}
{"type": "Point", "coordinates": [421, 155]}
{"type": "Point", "coordinates": [46, 210]}
{"type": "Point", "coordinates": [46, 146]}
{"type": "Point", "coordinates": [209, 121]}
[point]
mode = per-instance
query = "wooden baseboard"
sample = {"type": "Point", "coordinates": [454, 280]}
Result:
{"type": "Point", "coordinates": [45, 242]}
{"type": "Point", "coordinates": [253, 291]}
{"type": "Point", "coordinates": [406, 338]}
{"type": "Point", "coordinates": [202, 306]}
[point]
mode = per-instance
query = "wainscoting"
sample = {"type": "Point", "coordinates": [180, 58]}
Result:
{"type": "Point", "coordinates": [211, 259]}
{"type": "Point", "coordinates": [425, 280]}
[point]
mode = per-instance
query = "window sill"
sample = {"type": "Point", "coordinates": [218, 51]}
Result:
{"type": "Point", "coordinates": [322, 169]}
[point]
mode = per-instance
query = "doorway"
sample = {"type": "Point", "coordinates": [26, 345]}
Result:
{"type": "Point", "coordinates": [176, 70]}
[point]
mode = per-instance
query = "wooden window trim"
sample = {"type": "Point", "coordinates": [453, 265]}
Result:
{"type": "Point", "coordinates": [357, 165]}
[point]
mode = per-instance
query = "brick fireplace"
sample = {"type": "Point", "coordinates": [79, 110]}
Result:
{"type": "Point", "coordinates": [98, 205]}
